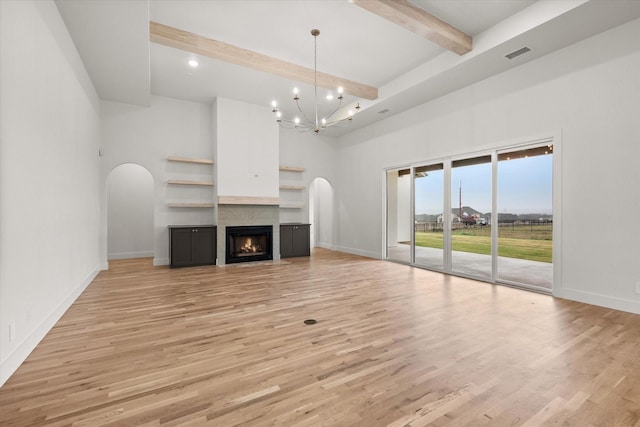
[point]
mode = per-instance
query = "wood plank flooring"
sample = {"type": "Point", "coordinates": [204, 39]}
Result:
{"type": "Point", "coordinates": [392, 346]}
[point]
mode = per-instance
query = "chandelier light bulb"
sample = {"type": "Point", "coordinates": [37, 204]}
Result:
{"type": "Point", "coordinates": [296, 120]}
{"type": "Point", "coordinates": [278, 114]}
{"type": "Point", "coordinates": [340, 90]}
{"type": "Point", "coordinates": [274, 104]}
{"type": "Point", "coordinates": [193, 63]}
{"type": "Point", "coordinates": [324, 122]}
{"type": "Point", "coordinates": [295, 91]}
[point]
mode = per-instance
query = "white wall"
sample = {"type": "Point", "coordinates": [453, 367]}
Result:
{"type": "Point", "coordinates": [246, 143]}
{"type": "Point", "coordinates": [591, 93]}
{"type": "Point", "coordinates": [130, 201]}
{"type": "Point", "coordinates": [147, 136]}
{"type": "Point", "coordinates": [321, 213]}
{"type": "Point", "coordinates": [317, 155]}
{"type": "Point", "coordinates": [49, 176]}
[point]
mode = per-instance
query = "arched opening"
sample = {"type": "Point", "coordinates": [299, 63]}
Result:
{"type": "Point", "coordinates": [321, 213]}
{"type": "Point", "coordinates": [130, 208]}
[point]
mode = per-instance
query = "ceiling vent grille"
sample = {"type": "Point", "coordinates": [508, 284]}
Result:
{"type": "Point", "coordinates": [518, 52]}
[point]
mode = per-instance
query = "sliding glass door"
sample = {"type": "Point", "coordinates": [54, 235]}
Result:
{"type": "Point", "coordinates": [399, 215]}
{"type": "Point", "coordinates": [470, 214]}
{"type": "Point", "coordinates": [525, 220]}
{"type": "Point", "coordinates": [498, 222]}
{"type": "Point", "coordinates": [428, 216]}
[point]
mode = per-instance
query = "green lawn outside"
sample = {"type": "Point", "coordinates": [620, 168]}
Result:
{"type": "Point", "coordinates": [522, 242]}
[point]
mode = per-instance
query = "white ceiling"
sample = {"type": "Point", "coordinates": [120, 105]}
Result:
{"type": "Point", "coordinates": [112, 38]}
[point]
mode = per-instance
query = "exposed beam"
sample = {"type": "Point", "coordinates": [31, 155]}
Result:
{"type": "Point", "coordinates": [419, 21]}
{"type": "Point", "coordinates": [190, 42]}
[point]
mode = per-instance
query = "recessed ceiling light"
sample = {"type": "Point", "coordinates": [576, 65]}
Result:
{"type": "Point", "coordinates": [193, 63]}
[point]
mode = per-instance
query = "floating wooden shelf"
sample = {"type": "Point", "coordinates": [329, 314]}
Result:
{"type": "Point", "coordinates": [187, 182]}
{"type": "Point", "coordinates": [190, 205]}
{"type": "Point", "coordinates": [292, 187]}
{"type": "Point", "coordinates": [291, 169]}
{"type": "Point", "coordinates": [288, 206]}
{"type": "Point", "coordinates": [190, 160]}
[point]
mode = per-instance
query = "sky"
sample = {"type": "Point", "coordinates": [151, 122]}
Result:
{"type": "Point", "coordinates": [524, 186]}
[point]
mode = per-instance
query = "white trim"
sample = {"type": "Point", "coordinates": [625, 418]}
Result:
{"type": "Point", "coordinates": [13, 360]}
{"type": "Point", "coordinates": [353, 251]}
{"type": "Point", "coordinates": [325, 246]}
{"type": "Point", "coordinates": [160, 261]}
{"type": "Point", "coordinates": [600, 300]}
{"type": "Point", "coordinates": [129, 255]}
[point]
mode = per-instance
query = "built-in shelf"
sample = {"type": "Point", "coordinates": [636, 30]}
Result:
{"type": "Point", "coordinates": [190, 205]}
{"type": "Point", "coordinates": [292, 187]}
{"type": "Point", "coordinates": [291, 169]}
{"type": "Point", "coordinates": [188, 182]}
{"type": "Point", "coordinates": [190, 160]}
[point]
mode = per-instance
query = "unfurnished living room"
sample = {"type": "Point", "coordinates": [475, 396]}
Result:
{"type": "Point", "coordinates": [319, 213]}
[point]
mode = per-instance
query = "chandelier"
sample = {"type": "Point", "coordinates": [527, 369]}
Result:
{"type": "Point", "coordinates": [315, 122]}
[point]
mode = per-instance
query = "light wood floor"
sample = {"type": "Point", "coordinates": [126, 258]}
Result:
{"type": "Point", "coordinates": [393, 345]}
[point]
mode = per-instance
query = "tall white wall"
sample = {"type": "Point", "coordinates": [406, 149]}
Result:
{"type": "Point", "coordinates": [246, 144]}
{"type": "Point", "coordinates": [130, 206]}
{"type": "Point", "coordinates": [49, 176]}
{"type": "Point", "coordinates": [147, 136]}
{"type": "Point", "coordinates": [590, 92]}
{"type": "Point", "coordinates": [317, 155]}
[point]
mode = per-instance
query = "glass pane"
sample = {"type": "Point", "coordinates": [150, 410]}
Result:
{"type": "Point", "coordinates": [429, 208]}
{"type": "Point", "coordinates": [398, 216]}
{"type": "Point", "coordinates": [525, 220]}
{"type": "Point", "coordinates": [470, 214]}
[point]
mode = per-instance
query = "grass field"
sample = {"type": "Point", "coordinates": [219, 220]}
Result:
{"type": "Point", "coordinates": [530, 242]}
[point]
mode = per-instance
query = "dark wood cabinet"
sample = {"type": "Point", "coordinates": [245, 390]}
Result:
{"type": "Point", "coordinates": [294, 240]}
{"type": "Point", "coordinates": [192, 245]}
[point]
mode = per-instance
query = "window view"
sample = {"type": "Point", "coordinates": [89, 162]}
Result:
{"type": "Point", "coordinates": [511, 244]}
{"type": "Point", "coordinates": [525, 221]}
{"type": "Point", "coordinates": [470, 216]}
{"type": "Point", "coordinates": [429, 204]}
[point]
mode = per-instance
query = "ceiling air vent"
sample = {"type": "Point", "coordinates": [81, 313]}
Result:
{"type": "Point", "coordinates": [386, 110]}
{"type": "Point", "coordinates": [518, 52]}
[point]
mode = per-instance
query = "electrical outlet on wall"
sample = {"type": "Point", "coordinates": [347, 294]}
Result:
{"type": "Point", "coordinates": [12, 331]}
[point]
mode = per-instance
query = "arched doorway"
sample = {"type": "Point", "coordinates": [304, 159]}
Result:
{"type": "Point", "coordinates": [321, 213]}
{"type": "Point", "coordinates": [130, 208]}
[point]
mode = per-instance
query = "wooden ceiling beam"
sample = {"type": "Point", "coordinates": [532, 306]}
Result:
{"type": "Point", "coordinates": [194, 43]}
{"type": "Point", "coordinates": [419, 21]}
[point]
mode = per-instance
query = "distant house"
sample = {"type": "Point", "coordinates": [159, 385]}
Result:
{"type": "Point", "coordinates": [467, 212]}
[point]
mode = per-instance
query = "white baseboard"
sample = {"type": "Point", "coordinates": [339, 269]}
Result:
{"type": "Point", "coordinates": [129, 255]}
{"type": "Point", "coordinates": [160, 261]}
{"type": "Point", "coordinates": [368, 254]}
{"type": "Point", "coordinates": [599, 300]}
{"type": "Point", "coordinates": [104, 266]}
{"type": "Point", "coordinates": [326, 246]}
{"type": "Point", "coordinates": [22, 351]}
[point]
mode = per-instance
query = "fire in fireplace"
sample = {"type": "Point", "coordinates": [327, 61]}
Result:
{"type": "Point", "coordinates": [249, 243]}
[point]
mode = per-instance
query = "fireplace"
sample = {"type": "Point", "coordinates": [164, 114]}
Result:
{"type": "Point", "coordinates": [249, 243]}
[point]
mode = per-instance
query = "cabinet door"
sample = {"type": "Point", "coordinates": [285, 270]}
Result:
{"type": "Point", "coordinates": [301, 240]}
{"type": "Point", "coordinates": [181, 247]}
{"type": "Point", "coordinates": [286, 241]}
{"type": "Point", "coordinates": [204, 251]}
